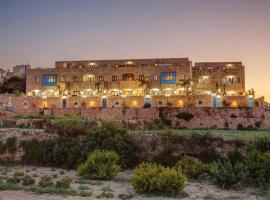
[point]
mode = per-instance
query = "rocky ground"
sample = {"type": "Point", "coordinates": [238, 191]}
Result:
{"type": "Point", "coordinates": [118, 188]}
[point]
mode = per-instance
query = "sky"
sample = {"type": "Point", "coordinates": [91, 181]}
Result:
{"type": "Point", "coordinates": [40, 32]}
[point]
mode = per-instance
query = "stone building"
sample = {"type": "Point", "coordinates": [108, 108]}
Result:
{"type": "Point", "coordinates": [161, 82]}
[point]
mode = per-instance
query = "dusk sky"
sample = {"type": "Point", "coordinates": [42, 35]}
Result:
{"type": "Point", "coordinates": [42, 31]}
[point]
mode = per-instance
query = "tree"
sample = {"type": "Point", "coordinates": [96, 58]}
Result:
{"type": "Point", "coordinates": [145, 84]}
{"type": "Point", "coordinates": [185, 83]}
{"type": "Point", "coordinates": [97, 86]}
{"type": "Point", "coordinates": [13, 84]}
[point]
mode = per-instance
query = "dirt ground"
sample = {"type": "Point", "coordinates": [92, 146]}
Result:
{"type": "Point", "coordinates": [119, 185]}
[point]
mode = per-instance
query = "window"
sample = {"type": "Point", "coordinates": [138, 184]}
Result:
{"type": "Point", "coordinates": [114, 78]}
{"type": "Point", "coordinates": [36, 79]}
{"type": "Point", "coordinates": [182, 76]}
{"type": "Point", "coordinates": [232, 80]}
{"type": "Point", "coordinates": [128, 77]}
{"type": "Point", "coordinates": [76, 104]}
{"type": "Point", "coordinates": [204, 80]}
{"type": "Point", "coordinates": [160, 103]}
{"type": "Point", "coordinates": [114, 92]}
{"type": "Point", "coordinates": [168, 78]}
{"type": "Point", "coordinates": [155, 77]}
{"type": "Point", "coordinates": [116, 103]}
{"type": "Point", "coordinates": [62, 79]}
{"type": "Point", "coordinates": [49, 80]}
{"type": "Point", "coordinates": [141, 77]}
{"type": "Point", "coordinates": [101, 78]}
{"type": "Point", "coordinates": [25, 104]}
{"type": "Point", "coordinates": [127, 92]}
{"type": "Point", "coordinates": [200, 103]}
{"type": "Point", "coordinates": [89, 78]}
{"type": "Point", "coordinates": [76, 79]}
{"type": "Point", "coordinates": [76, 93]}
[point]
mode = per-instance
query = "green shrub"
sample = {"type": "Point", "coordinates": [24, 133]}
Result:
{"type": "Point", "coordinates": [71, 127]}
{"type": "Point", "coordinates": [84, 194]}
{"type": "Point", "coordinates": [52, 190]}
{"type": "Point", "coordinates": [100, 164]}
{"type": "Point", "coordinates": [235, 157]}
{"type": "Point", "coordinates": [111, 136]}
{"type": "Point", "coordinates": [105, 195]}
{"type": "Point", "coordinates": [260, 144]}
{"type": "Point", "coordinates": [45, 184]}
{"type": "Point", "coordinates": [11, 144]}
{"type": "Point", "coordinates": [18, 173]}
{"type": "Point", "coordinates": [123, 196]}
{"type": "Point", "coordinates": [13, 180]}
{"type": "Point", "coordinates": [69, 152]}
{"type": "Point", "coordinates": [2, 147]}
{"type": "Point", "coordinates": [64, 184]}
{"type": "Point", "coordinates": [8, 186]}
{"type": "Point", "coordinates": [225, 174]}
{"type": "Point", "coordinates": [156, 179]}
{"type": "Point", "coordinates": [192, 167]}
{"type": "Point", "coordinates": [258, 167]}
{"type": "Point", "coordinates": [27, 180]}
{"type": "Point", "coordinates": [185, 116]}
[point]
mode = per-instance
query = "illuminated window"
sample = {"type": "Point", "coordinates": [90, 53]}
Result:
{"type": "Point", "coordinates": [114, 78]}
{"type": "Point", "coordinates": [204, 80]}
{"type": "Point", "coordinates": [134, 104]}
{"type": "Point", "coordinates": [114, 92]}
{"type": "Point", "coordinates": [127, 92]}
{"type": "Point", "coordinates": [141, 77]}
{"type": "Point", "coordinates": [89, 78]}
{"type": "Point", "coordinates": [62, 79]}
{"type": "Point", "coordinates": [128, 77]}
{"type": "Point", "coordinates": [155, 77]}
{"type": "Point", "coordinates": [182, 76]}
{"type": "Point", "coordinates": [168, 77]}
{"type": "Point", "coordinates": [101, 78]}
{"type": "Point", "coordinates": [49, 80]}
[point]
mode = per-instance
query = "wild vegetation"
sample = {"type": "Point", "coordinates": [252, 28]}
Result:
{"type": "Point", "coordinates": [101, 151]}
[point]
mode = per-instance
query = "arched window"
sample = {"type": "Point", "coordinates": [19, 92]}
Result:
{"type": "Point", "coordinates": [128, 77]}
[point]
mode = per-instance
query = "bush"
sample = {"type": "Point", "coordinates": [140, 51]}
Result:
{"type": "Point", "coordinates": [258, 167]}
{"type": "Point", "coordinates": [11, 145]}
{"type": "Point", "coordinates": [18, 173]}
{"type": "Point", "coordinates": [64, 184]}
{"type": "Point", "coordinates": [111, 136]}
{"type": "Point", "coordinates": [27, 180]}
{"type": "Point", "coordinates": [2, 147]}
{"type": "Point", "coordinates": [185, 116]}
{"type": "Point", "coordinates": [69, 152]}
{"type": "Point", "coordinates": [192, 167]}
{"type": "Point", "coordinates": [156, 179]}
{"type": "Point", "coordinates": [240, 127]}
{"type": "Point", "coordinates": [260, 144]}
{"type": "Point", "coordinates": [71, 127]}
{"type": "Point", "coordinates": [233, 115]}
{"type": "Point", "coordinates": [225, 174]}
{"type": "Point", "coordinates": [45, 184]}
{"type": "Point", "coordinates": [100, 164]}
{"type": "Point", "coordinates": [13, 180]}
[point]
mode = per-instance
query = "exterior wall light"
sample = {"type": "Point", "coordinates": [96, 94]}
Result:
{"type": "Point", "coordinates": [134, 103]}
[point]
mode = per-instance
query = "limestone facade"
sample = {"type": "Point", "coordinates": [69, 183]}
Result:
{"type": "Point", "coordinates": [164, 82]}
